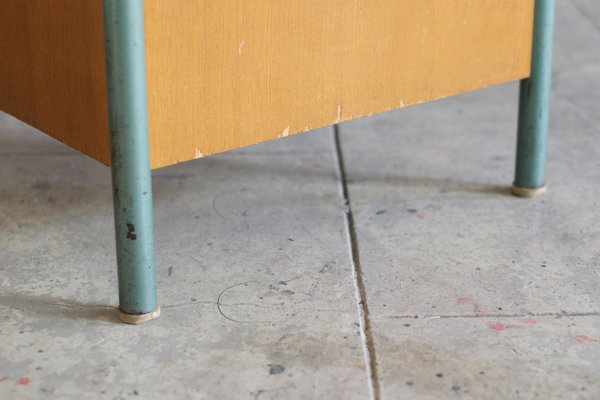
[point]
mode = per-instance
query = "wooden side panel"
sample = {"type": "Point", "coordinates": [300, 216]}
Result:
{"type": "Point", "coordinates": [52, 70]}
{"type": "Point", "coordinates": [228, 73]}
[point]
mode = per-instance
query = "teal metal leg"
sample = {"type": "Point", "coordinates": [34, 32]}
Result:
{"type": "Point", "coordinates": [132, 181]}
{"type": "Point", "coordinates": [534, 102]}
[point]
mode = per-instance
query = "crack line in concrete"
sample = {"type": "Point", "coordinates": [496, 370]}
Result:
{"type": "Point", "coordinates": [357, 276]}
{"type": "Point", "coordinates": [494, 315]}
{"type": "Point", "coordinates": [582, 13]}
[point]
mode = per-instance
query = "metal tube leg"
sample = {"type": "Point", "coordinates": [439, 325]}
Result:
{"type": "Point", "coordinates": [534, 102]}
{"type": "Point", "coordinates": [132, 181]}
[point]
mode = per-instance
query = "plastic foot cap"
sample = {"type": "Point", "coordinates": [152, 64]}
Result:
{"type": "Point", "coordinates": [528, 192]}
{"type": "Point", "coordinates": [135, 319]}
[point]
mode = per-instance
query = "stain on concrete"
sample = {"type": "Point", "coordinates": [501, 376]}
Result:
{"type": "Point", "coordinates": [276, 369]}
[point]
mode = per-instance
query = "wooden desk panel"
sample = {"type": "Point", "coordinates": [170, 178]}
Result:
{"type": "Point", "coordinates": [230, 73]}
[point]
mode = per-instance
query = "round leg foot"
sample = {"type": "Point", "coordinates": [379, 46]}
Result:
{"type": "Point", "coordinates": [136, 319]}
{"type": "Point", "coordinates": [528, 192]}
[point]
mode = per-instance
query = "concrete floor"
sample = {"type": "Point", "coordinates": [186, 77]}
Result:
{"type": "Point", "coordinates": [468, 292]}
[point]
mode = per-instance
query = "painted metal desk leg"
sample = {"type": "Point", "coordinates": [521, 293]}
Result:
{"type": "Point", "coordinates": [132, 181]}
{"type": "Point", "coordinates": [534, 107]}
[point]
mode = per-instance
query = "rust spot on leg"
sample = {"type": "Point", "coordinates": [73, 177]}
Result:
{"type": "Point", "coordinates": [131, 235]}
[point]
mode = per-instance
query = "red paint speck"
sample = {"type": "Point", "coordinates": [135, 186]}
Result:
{"type": "Point", "coordinates": [3, 378]}
{"type": "Point", "coordinates": [419, 215]}
{"type": "Point", "coordinates": [465, 300]}
{"type": "Point", "coordinates": [497, 326]}
{"type": "Point", "coordinates": [24, 381]}
{"type": "Point", "coordinates": [584, 338]}
{"type": "Point", "coordinates": [530, 321]}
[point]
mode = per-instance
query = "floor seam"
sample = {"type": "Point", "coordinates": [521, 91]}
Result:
{"type": "Point", "coordinates": [357, 276]}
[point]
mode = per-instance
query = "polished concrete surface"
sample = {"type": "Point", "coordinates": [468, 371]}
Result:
{"type": "Point", "coordinates": [392, 263]}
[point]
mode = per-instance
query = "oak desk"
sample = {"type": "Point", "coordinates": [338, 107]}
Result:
{"type": "Point", "coordinates": [145, 84]}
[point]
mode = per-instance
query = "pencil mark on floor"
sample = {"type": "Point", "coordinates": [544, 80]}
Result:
{"type": "Point", "coordinates": [220, 309]}
{"type": "Point", "coordinates": [216, 210]}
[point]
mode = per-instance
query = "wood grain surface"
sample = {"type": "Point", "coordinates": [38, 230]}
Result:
{"type": "Point", "coordinates": [230, 73]}
{"type": "Point", "coordinates": [52, 70]}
